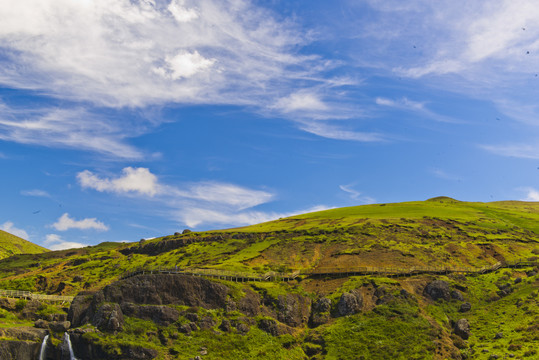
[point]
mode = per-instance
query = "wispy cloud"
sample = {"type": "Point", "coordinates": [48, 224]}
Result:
{"type": "Point", "coordinates": [66, 128]}
{"type": "Point", "coordinates": [331, 131]}
{"type": "Point", "coordinates": [65, 223]}
{"type": "Point", "coordinates": [523, 151]}
{"type": "Point", "coordinates": [36, 193]}
{"type": "Point", "coordinates": [442, 174]}
{"type": "Point", "coordinates": [413, 106]}
{"type": "Point", "coordinates": [55, 242]}
{"type": "Point", "coordinates": [193, 217]}
{"type": "Point", "coordinates": [9, 227]}
{"type": "Point", "coordinates": [118, 53]}
{"type": "Point", "coordinates": [356, 195]}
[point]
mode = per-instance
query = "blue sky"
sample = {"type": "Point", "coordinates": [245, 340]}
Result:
{"type": "Point", "coordinates": [122, 120]}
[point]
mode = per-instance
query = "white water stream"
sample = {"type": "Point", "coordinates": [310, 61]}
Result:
{"type": "Point", "coordinates": [67, 342]}
{"type": "Point", "coordinates": [43, 350]}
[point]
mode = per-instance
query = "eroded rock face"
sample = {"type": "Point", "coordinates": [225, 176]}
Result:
{"type": "Point", "coordinates": [273, 328]}
{"type": "Point", "coordinates": [350, 303]}
{"type": "Point", "coordinates": [19, 350]}
{"type": "Point", "coordinates": [438, 289]}
{"type": "Point", "coordinates": [109, 317]}
{"type": "Point", "coordinates": [293, 309]}
{"type": "Point", "coordinates": [167, 289]}
{"type": "Point", "coordinates": [159, 314]}
{"type": "Point", "coordinates": [320, 312]}
{"type": "Point", "coordinates": [145, 290]}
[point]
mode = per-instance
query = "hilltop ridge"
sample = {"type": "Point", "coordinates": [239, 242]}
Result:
{"type": "Point", "coordinates": [12, 245]}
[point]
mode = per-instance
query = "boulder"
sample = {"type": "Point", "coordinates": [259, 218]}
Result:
{"type": "Point", "coordinates": [465, 307]}
{"type": "Point", "coordinates": [437, 289]}
{"type": "Point", "coordinates": [350, 303]}
{"type": "Point", "coordinates": [41, 324]}
{"type": "Point", "coordinates": [206, 323]}
{"type": "Point", "coordinates": [322, 305]}
{"type": "Point", "coordinates": [462, 328]}
{"type": "Point", "coordinates": [382, 296]}
{"type": "Point", "coordinates": [59, 326]}
{"type": "Point", "coordinates": [455, 294]}
{"type": "Point", "coordinates": [225, 326]}
{"type": "Point", "coordinates": [138, 353]}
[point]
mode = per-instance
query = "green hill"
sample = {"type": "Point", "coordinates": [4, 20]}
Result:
{"type": "Point", "coordinates": [11, 245]}
{"type": "Point", "coordinates": [317, 315]}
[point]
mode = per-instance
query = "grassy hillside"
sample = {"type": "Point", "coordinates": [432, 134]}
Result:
{"type": "Point", "coordinates": [437, 232]}
{"type": "Point", "coordinates": [11, 245]}
{"type": "Point", "coordinates": [396, 321]}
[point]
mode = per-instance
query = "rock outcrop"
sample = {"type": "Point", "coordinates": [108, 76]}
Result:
{"type": "Point", "coordinates": [438, 289]}
{"type": "Point", "coordinates": [350, 303]}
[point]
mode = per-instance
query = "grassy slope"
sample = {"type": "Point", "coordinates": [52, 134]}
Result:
{"type": "Point", "coordinates": [11, 245]}
{"type": "Point", "coordinates": [438, 232]}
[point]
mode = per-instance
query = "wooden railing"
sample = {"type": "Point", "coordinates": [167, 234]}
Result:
{"type": "Point", "coordinates": [323, 271]}
{"type": "Point", "coordinates": [33, 296]}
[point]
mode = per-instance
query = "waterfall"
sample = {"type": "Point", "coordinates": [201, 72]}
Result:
{"type": "Point", "coordinates": [43, 350]}
{"type": "Point", "coordinates": [67, 343]}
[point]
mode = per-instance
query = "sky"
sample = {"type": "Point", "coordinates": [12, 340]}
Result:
{"type": "Point", "coordinates": [130, 119]}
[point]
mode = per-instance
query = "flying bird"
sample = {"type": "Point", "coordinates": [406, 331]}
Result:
{"type": "Point", "coordinates": [36, 212]}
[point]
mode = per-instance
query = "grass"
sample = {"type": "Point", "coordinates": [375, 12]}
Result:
{"type": "Point", "coordinates": [12, 245]}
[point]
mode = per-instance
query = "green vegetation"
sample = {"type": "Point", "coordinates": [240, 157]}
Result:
{"type": "Point", "coordinates": [12, 245]}
{"type": "Point", "coordinates": [397, 320]}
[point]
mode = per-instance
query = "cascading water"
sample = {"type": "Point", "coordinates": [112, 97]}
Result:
{"type": "Point", "coordinates": [67, 343]}
{"type": "Point", "coordinates": [43, 350]}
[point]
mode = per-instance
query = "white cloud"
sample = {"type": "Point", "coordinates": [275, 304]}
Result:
{"type": "Point", "coordinates": [222, 193]}
{"type": "Point", "coordinates": [71, 128]}
{"type": "Point", "coordinates": [191, 203]}
{"type": "Point", "coordinates": [524, 151]}
{"type": "Point", "coordinates": [333, 132]}
{"type": "Point", "coordinates": [301, 101]}
{"type": "Point", "coordinates": [10, 228]}
{"type": "Point", "coordinates": [133, 180]}
{"type": "Point", "coordinates": [65, 223]}
{"type": "Point", "coordinates": [55, 242]}
{"type": "Point", "coordinates": [107, 51]}
{"type": "Point", "coordinates": [193, 217]}
{"type": "Point", "coordinates": [532, 194]}
{"type": "Point", "coordinates": [36, 193]}
{"type": "Point", "coordinates": [184, 65]}
{"type": "Point", "coordinates": [180, 12]}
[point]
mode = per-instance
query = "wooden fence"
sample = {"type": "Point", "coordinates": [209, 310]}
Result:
{"type": "Point", "coordinates": [33, 296]}
{"type": "Point", "coordinates": [332, 272]}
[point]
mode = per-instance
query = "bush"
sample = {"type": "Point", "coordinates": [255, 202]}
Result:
{"type": "Point", "coordinates": [20, 304]}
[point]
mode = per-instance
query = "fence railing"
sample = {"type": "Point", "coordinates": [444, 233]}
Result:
{"type": "Point", "coordinates": [33, 296]}
{"type": "Point", "coordinates": [329, 271]}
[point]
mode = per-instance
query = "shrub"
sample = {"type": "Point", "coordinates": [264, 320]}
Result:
{"type": "Point", "coordinates": [20, 304]}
